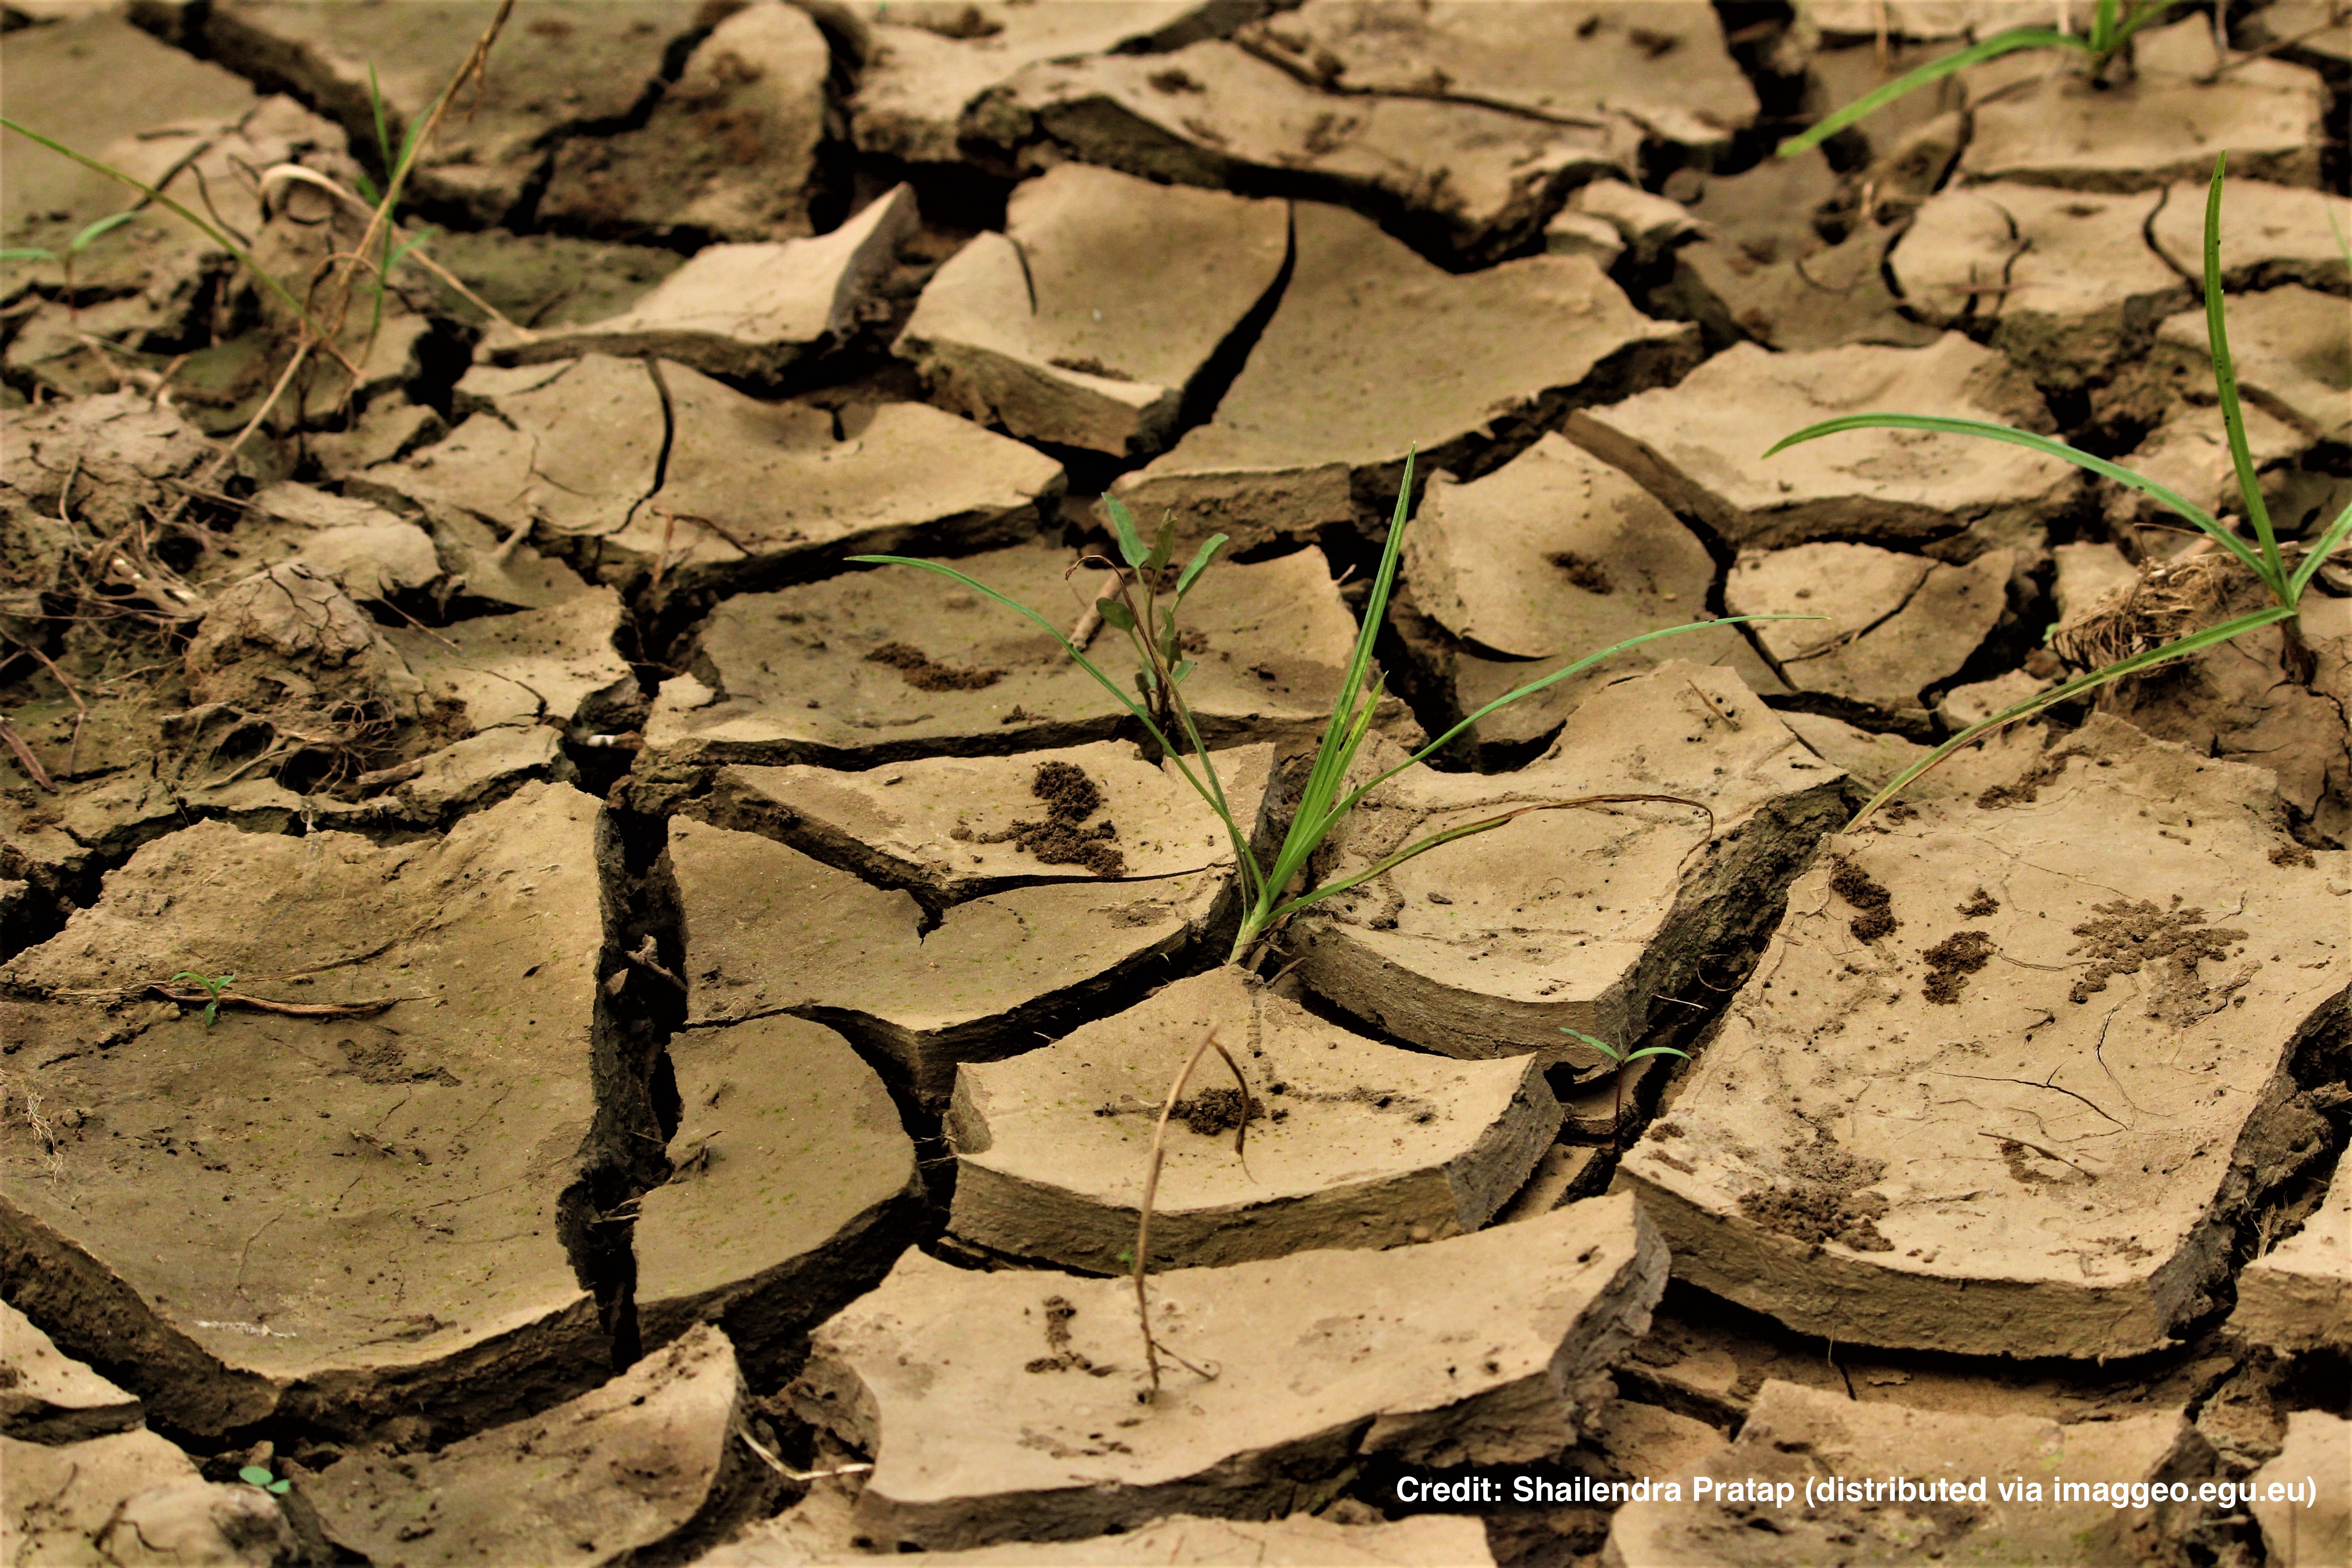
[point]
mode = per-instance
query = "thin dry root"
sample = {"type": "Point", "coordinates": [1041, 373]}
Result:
{"type": "Point", "coordinates": [1152, 1349]}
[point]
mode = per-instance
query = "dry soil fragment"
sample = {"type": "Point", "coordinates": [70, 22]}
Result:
{"type": "Point", "coordinates": [132, 1500]}
{"type": "Point", "coordinates": [530, 667]}
{"type": "Point", "coordinates": [1894, 623]}
{"type": "Point", "coordinates": [1693, 445]}
{"type": "Point", "coordinates": [2269, 234]}
{"type": "Point", "coordinates": [2066, 277]}
{"type": "Point", "coordinates": [2308, 32]}
{"type": "Point", "coordinates": [2317, 1533]}
{"type": "Point", "coordinates": [1089, 320]}
{"type": "Point", "coordinates": [1184, 1541]}
{"type": "Point", "coordinates": [2298, 1295]}
{"type": "Point", "coordinates": [46, 1396]}
{"type": "Point", "coordinates": [1796, 1435]}
{"type": "Point", "coordinates": [652, 1460]}
{"type": "Point", "coordinates": [1581, 917]}
{"type": "Point", "coordinates": [1480, 180]}
{"type": "Point", "coordinates": [952, 828]}
{"type": "Point", "coordinates": [289, 645]}
{"type": "Point", "coordinates": [1317, 426]}
{"type": "Point", "coordinates": [754, 311]}
{"type": "Point", "coordinates": [369, 552]}
{"type": "Point", "coordinates": [793, 1189]}
{"type": "Point", "coordinates": [2293, 350]}
{"type": "Point", "coordinates": [334, 1218]}
{"type": "Point", "coordinates": [768, 930]}
{"type": "Point", "coordinates": [2189, 454]}
{"type": "Point", "coordinates": [1350, 1143]}
{"type": "Point", "coordinates": [2155, 126]}
{"type": "Point", "coordinates": [788, 677]}
{"type": "Point", "coordinates": [1649, 62]}
{"type": "Point", "coordinates": [729, 152]}
{"type": "Point", "coordinates": [1826, 299]}
{"type": "Point", "coordinates": [1464, 1351]}
{"type": "Point", "coordinates": [2059, 1176]}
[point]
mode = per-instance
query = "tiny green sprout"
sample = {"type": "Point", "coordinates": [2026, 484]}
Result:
{"type": "Point", "coordinates": [1617, 1110]}
{"type": "Point", "coordinates": [259, 1476]}
{"type": "Point", "coordinates": [214, 985]}
{"type": "Point", "coordinates": [91, 235]}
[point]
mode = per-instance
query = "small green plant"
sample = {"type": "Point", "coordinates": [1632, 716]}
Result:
{"type": "Point", "coordinates": [89, 236]}
{"type": "Point", "coordinates": [2112, 27]}
{"type": "Point", "coordinates": [2262, 555]}
{"type": "Point", "coordinates": [214, 984]}
{"type": "Point", "coordinates": [1622, 1059]}
{"type": "Point", "coordinates": [259, 1476]}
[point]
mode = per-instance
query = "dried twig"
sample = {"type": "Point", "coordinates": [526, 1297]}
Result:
{"type": "Point", "coordinates": [196, 993]}
{"type": "Point", "coordinates": [1151, 1347]}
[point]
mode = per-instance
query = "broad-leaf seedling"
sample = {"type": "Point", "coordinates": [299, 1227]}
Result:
{"type": "Point", "coordinates": [214, 985]}
{"type": "Point", "coordinates": [1617, 1076]}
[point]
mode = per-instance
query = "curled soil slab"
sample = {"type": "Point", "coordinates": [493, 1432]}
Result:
{"type": "Point", "coordinates": [755, 312]}
{"type": "Point", "coordinates": [1317, 424]}
{"type": "Point", "coordinates": [1581, 917]}
{"type": "Point", "coordinates": [1798, 1436]}
{"type": "Point", "coordinates": [1349, 1142]}
{"type": "Point", "coordinates": [1479, 180]}
{"type": "Point", "coordinates": [769, 931]}
{"type": "Point", "coordinates": [1695, 445]}
{"type": "Point", "coordinates": [369, 552]}
{"type": "Point", "coordinates": [46, 1396]}
{"type": "Point", "coordinates": [789, 676]}
{"type": "Point", "coordinates": [1090, 319]}
{"type": "Point", "coordinates": [928, 62]}
{"type": "Point", "coordinates": [669, 1431]}
{"type": "Point", "coordinates": [1647, 62]}
{"type": "Point", "coordinates": [2066, 277]}
{"type": "Point", "coordinates": [953, 829]}
{"type": "Point", "coordinates": [1893, 625]}
{"type": "Point", "coordinates": [132, 1499]}
{"type": "Point", "coordinates": [288, 641]}
{"type": "Point", "coordinates": [2269, 234]}
{"type": "Point", "coordinates": [791, 1192]}
{"type": "Point", "coordinates": [2307, 1535]}
{"type": "Point", "coordinates": [331, 1218]}
{"type": "Point", "coordinates": [2298, 1295]}
{"type": "Point", "coordinates": [2043, 124]}
{"type": "Point", "coordinates": [729, 152]}
{"type": "Point", "coordinates": [1187, 1541]}
{"type": "Point", "coordinates": [2051, 1162]}
{"type": "Point", "coordinates": [584, 63]}
{"type": "Point", "coordinates": [980, 1430]}
{"type": "Point", "coordinates": [2293, 350]}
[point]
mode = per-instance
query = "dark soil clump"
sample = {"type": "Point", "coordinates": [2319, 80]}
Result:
{"type": "Point", "coordinates": [1829, 1203]}
{"type": "Point", "coordinates": [1215, 1111]}
{"type": "Point", "coordinates": [2132, 933]}
{"type": "Point", "coordinates": [1583, 571]}
{"type": "Point", "coordinates": [1980, 905]}
{"type": "Point", "coordinates": [918, 670]}
{"type": "Point", "coordinates": [2028, 787]}
{"type": "Point", "coordinates": [1951, 963]}
{"type": "Point", "coordinates": [1855, 885]}
{"type": "Point", "coordinates": [1070, 797]}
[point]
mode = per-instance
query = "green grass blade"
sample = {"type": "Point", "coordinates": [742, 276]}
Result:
{"type": "Point", "coordinates": [1420, 847]}
{"type": "Point", "coordinates": [1934, 72]}
{"type": "Point", "coordinates": [2104, 18]}
{"type": "Point", "coordinates": [1122, 526]}
{"type": "Point", "coordinates": [1324, 778]}
{"type": "Point", "coordinates": [2188, 512]}
{"type": "Point", "coordinates": [2139, 662]}
{"type": "Point", "coordinates": [2225, 381]}
{"type": "Point", "coordinates": [2141, 18]}
{"type": "Point", "coordinates": [98, 231]}
{"type": "Point", "coordinates": [401, 255]}
{"type": "Point", "coordinates": [27, 255]}
{"type": "Point", "coordinates": [1656, 1051]}
{"type": "Point", "coordinates": [2316, 555]}
{"type": "Point", "coordinates": [382, 135]}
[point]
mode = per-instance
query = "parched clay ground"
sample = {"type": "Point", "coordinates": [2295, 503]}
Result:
{"type": "Point", "coordinates": [548, 1016]}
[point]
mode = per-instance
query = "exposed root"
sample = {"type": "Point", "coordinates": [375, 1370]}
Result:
{"type": "Point", "coordinates": [1152, 1348]}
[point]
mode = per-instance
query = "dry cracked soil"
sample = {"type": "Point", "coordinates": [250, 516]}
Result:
{"type": "Point", "coordinates": [549, 1016]}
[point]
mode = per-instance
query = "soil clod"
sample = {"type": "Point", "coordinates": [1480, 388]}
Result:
{"type": "Point", "coordinates": [1952, 961]}
{"type": "Point", "coordinates": [919, 670]}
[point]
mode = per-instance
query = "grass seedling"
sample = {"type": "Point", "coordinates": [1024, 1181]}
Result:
{"type": "Point", "coordinates": [214, 984]}
{"type": "Point", "coordinates": [2263, 557]}
{"type": "Point", "coordinates": [1143, 605]}
{"type": "Point", "coordinates": [1617, 1076]}
{"type": "Point", "coordinates": [80, 242]}
{"type": "Point", "coordinates": [2112, 27]}
{"type": "Point", "coordinates": [259, 1476]}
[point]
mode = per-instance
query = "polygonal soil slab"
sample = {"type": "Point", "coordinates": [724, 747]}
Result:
{"type": "Point", "coordinates": [1892, 624]}
{"type": "Point", "coordinates": [132, 1497]}
{"type": "Point", "coordinates": [1650, 62]}
{"type": "Point", "coordinates": [1340, 388]}
{"type": "Point", "coordinates": [1825, 300]}
{"type": "Point", "coordinates": [1798, 1435]}
{"type": "Point", "coordinates": [46, 1396]}
{"type": "Point", "coordinates": [1089, 319]}
{"type": "Point", "coordinates": [2271, 235]}
{"type": "Point", "coordinates": [1350, 1142]}
{"type": "Point", "coordinates": [2315, 1530]}
{"type": "Point", "coordinates": [894, 663]}
{"type": "Point", "coordinates": [2067, 278]}
{"type": "Point", "coordinates": [2291, 347]}
{"type": "Point", "coordinates": [2053, 127]}
{"type": "Point", "coordinates": [1479, 181]}
{"type": "Point", "coordinates": [953, 829]}
{"type": "Point", "coordinates": [1004, 1405]}
{"type": "Point", "coordinates": [1578, 918]}
{"type": "Point", "coordinates": [2189, 454]}
{"type": "Point", "coordinates": [2047, 1157]}
{"type": "Point", "coordinates": [2298, 1295]}
{"type": "Point", "coordinates": [653, 1462]}
{"type": "Point", "coordinates": [1699, 446]}
{"type": "Point", "coordinates": [755, 312]}
{"type": "Point", "coordinates": [331, 1218]}
{"type": "Point", "coordinates": [791, 1192]}
{"type": "Point", "coordinates": [520, 670]}
{"type": "Point", "coordinates": [728, 151]}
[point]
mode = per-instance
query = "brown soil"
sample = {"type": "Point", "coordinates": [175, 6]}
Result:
{"type": "Point", "coordinates": [1214, 1111]}
{"type": "Point", "coordinates": [918, 670]}
{"type": "Point", "coordinates": [1070, 797]}
{"type": "Point", "coordinates": [1587, 573]}
{"type": "Point", "coordinates": [1951, 963]}
{"type": "Point", "coordinates": [1980, 905]}
{"type": "Point", "coordinates": [2132, 933]}
{"type": "Point", "coordinates": [1855, 885]}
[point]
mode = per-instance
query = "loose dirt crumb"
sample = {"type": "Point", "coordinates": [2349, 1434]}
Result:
{"type": "Point", "coordinates": [1855, 885]}
{"type": "Point", "coordinates": [2293, 855]}
{"type": "Point", "coordinates": [1951, 963]}
{"type": "Point", "coordinates": [2130, 933]}
{"type": "Point", "coordinates": [916, 669]}
{"type": "Point", "coordinates": [1979, 905]}
{"type": "Point", "coordinates": [1215, 1111]}
{"type": "Point", "coordinates": [1070, 797]}
{"type": "Point", "coordinates": [1827, 1202]}
{"type": "Point", "coordinates": [1583, 571]}
{"type": "Point", "coordinates": [1058, 1313]}
{"type": "Point", "coordinates": [1900, 811]}
{"type": "Point", "coordinates": [1173, 79]}
{"type": "Point", "coordinates": [2028, 787]}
